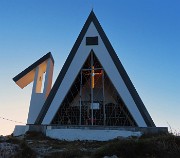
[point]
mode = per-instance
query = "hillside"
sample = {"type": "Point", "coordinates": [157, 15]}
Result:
{"type": "Point", "coordinates": [37, 145]}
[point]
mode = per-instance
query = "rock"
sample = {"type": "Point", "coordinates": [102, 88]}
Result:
{"type": "Point", "coordinates": [3, 139]}
{"type": "Point", "coordinates": [121, 138]}
{"type": "Point", "coordinates": [114, 156]}
{"type": "Point", "coordinates": [8, 150]}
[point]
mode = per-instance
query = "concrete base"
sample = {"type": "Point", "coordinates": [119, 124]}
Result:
{"type": "Point", "coordinates": [88, 134]}
{"type": "Point", "coordinates": [20, 130]}
{"type": "Point", "coordinates": [98, 133]}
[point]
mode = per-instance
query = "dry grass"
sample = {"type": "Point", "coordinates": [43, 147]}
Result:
{"type": "Point", "coordinates": [158, 146]}
{"type": "Point", "coordinates": [147, 146]}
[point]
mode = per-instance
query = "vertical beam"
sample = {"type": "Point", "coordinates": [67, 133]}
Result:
{"type": "Point", "coordinates": [38, 77]}
{"type": "Point", "coordinates": [104, 112]}
{"type": "Point", "coordinates": [92, 119]}
{"type": "Point", "coordinates": [92, 82]}
{"type": "Point", "coordinates": [39, 94]}
{"type": "Point", "coordinates": [37, 98]}
{"type": "Point", "coordinates": [48, 77]}
{"type": "Point", "coordinates": [80, 104]}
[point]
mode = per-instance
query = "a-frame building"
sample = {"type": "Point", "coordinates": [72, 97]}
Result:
{"type": "Point", "coordinates": [93, 92]}
{"type": "Point", "coordinates": [93, 87]}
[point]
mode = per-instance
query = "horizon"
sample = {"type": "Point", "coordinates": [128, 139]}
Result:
{"type": "Point", "coordinates": [145, 36]}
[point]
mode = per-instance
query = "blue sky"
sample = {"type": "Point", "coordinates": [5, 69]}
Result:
{"type": "Point", "coordinates": [144, 33]}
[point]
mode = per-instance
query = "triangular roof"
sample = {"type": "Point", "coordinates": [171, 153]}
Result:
{"type": "Point", "coordinates": [92, 19]}
{"type": "Point", "coordinates": [27, 75]}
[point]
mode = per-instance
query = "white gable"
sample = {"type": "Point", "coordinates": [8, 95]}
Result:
{"type": "Point", "coordinates": [109, 67]}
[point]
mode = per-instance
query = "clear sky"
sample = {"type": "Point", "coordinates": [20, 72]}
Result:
{"type": "Point", "coordinates": [144, 33]}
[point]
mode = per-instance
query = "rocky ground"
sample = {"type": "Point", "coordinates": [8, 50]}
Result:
{"type": "Point", "coordinates": [8, 149]}
{"type": "Point", "coordinates": [36, 145]}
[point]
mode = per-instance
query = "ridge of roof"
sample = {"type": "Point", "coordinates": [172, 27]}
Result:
{"type": "Point", "coordinates": [92, 18]}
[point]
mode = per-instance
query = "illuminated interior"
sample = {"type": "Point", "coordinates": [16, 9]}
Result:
{"type": "Point", "coordinates": [93, 100]}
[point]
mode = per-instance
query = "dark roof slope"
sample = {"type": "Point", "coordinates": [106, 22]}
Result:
{"type": "Point", "coordinates": [124, 75]}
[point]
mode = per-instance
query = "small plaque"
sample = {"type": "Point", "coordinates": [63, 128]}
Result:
{"type": "Point", "coordinates": [95, 106]}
